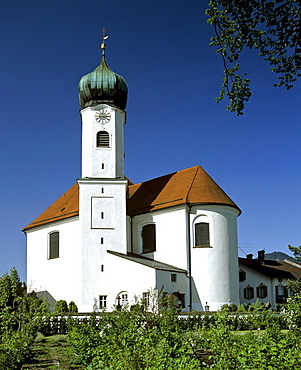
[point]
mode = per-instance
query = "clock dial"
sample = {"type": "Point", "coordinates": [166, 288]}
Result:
{"type": "Point", "coordinates": [103, 116]}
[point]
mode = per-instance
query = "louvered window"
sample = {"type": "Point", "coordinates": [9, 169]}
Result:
{"type": "Point", "coordinates": [53, 245]}
{"type": "Point", "coordinates": [149, 238]}
{"type": "Point", "coordinates": [103, 139]}
{"type": "Point", "coordinates": [202, 237]}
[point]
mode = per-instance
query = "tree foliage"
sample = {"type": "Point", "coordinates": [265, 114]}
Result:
{"type": "Point", "coordinates": [21, 315]}
{"type": "Point", "coordinates": [273, 27]}
{"type": "Point", "coordinates": [296, 252]}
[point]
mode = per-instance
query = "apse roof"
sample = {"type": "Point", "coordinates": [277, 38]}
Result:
{"type": "Point", "coordinates": [190, 186]}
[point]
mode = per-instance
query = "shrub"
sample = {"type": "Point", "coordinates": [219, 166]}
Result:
{"type": "Point", "coordinates": [72, 307]}
{"type": "Point", "coordinates": [14, 350]}
{"type": "Point", "coordinates": [60, 307]}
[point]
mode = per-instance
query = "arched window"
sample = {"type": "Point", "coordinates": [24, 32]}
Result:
{"type": "Point", "coordinates": [148, 238]}
{"type": "Point", "coordinates": [202, 236]}
{"type": "Point", "coordinates": [103, 139]}
{"type": "Point", "coordinates": [53, 245]}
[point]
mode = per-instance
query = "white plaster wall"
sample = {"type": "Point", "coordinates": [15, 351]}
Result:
{"type": "Point", "coordinates": [254, 279]}
{"type": "Point", "coordinates": [215, 268]}
{"type": "Point", "coordinates": [59, 276]}
{"type": "Point", "coordinates": [122, 275]}
{"type": "Point", "coordinates": [165, 284]}
{"type": "Point", "coordinates": [171, 235]}
{"type": "Point", "coordinates": [97, 240]}
{"type": "Point", "coordinates": [93, 157]}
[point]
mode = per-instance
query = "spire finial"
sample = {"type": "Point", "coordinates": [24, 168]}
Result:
{"type": "Point", "coordinates": [104, 37]}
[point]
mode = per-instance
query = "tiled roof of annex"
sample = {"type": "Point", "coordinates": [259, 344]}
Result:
{"type": "Point", "coordinates": [271, 268]}
{"type": "Point", "coordinates": [190, 186]}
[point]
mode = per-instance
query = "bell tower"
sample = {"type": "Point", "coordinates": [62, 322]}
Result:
{"type": "Point", "coordinates": [102, 187]}
{"type": "Point", "coordinates": [102, 141]}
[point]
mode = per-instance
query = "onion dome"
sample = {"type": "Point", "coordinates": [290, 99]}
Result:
{"type": "Point", "coordinates": [102, 86]}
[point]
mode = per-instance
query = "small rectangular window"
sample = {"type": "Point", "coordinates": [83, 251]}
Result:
{"type": "Point", "coordinates": [145, 299]}
{"type": "Point", "coordinates": [102, 301]}
{"type": "Point", "coordinates": [242, 275]}
{"type": "Point", "coordinates": [262, 291]}
{"type": "Point", "coordinates": [102, 268]}
{"type": "Point", "coordinates": [173, 278]}
{"type": "Point", "coordinates": [248, 292]}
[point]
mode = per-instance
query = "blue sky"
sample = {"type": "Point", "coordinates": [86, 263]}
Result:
{"type": "Point", "coordinates": [162, 50]}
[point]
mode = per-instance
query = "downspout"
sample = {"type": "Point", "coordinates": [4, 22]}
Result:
{"type": "Point", "coordinates": [189, 259]}
{"type": "Point", "coordinates": [131, 228]}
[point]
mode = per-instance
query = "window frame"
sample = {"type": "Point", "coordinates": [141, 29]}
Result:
{"type": "Point", "coordinates": [105, 137]}
{"type": "Point", "coordinates": [145, 299]}
{"type": "Point", "coordinates": [102, 301]}
{"type": "Point", "coordinates": [242, 275]}
{"type": "Point", "coordinates": [199, 239]}
{"type": "Point", "coordinates": [53, 245]}
{"type": "Point", "coordinates": [262, 291]}
{"type": "Point", "coordinates": [248, 292]}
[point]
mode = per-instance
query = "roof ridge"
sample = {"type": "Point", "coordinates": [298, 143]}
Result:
{"type": "Point", "coordinates": [192, 182]}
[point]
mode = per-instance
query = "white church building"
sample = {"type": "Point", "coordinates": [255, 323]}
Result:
{"type": "Point", "coordinates": [107, 240]}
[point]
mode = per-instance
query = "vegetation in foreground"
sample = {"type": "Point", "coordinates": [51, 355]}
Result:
{"type": "Point", "coordinates": [140, 338]}
{"type": "Point", "coordinates": [148, 340]}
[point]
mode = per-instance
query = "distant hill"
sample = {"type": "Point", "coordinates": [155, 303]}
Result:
{"type": "Point", "coordinates": [279, 256]}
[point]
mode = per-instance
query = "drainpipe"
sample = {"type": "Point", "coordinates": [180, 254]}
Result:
{"type": "Point", "coordinates": [189, 258]}
{"type": "Point", "coordinates": [131, 228]}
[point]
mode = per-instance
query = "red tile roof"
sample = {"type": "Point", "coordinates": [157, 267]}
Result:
{"type": "Point", "coordinates": [65, 207]}
{"type": "Point", "coordinates": [190, 186]}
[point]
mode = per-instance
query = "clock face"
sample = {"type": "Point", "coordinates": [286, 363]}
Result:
{"type": "Point", "coordinates": [103, 116]}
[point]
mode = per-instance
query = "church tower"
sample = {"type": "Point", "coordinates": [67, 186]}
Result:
{"type": "Point", "coordinates": [102, 202]}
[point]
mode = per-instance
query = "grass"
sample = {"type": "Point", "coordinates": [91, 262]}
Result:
{"type": "Point", "coordinates": [52, 353]}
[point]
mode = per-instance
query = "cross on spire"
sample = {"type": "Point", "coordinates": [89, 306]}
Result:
{"type": "Point", "coordinates": [104, 37]}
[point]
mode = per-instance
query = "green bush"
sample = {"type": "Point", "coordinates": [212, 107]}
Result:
{"type": "Point", "coordinates": [15, 350]}
{"type": "Point", "coordinates": [21, 316]}
{"type": "Point", "coordinates": [60, 307]}
{"type": "Point", "coordinates": [72, 307]}
{"type": "Point", "coordinates": [134, 340]}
